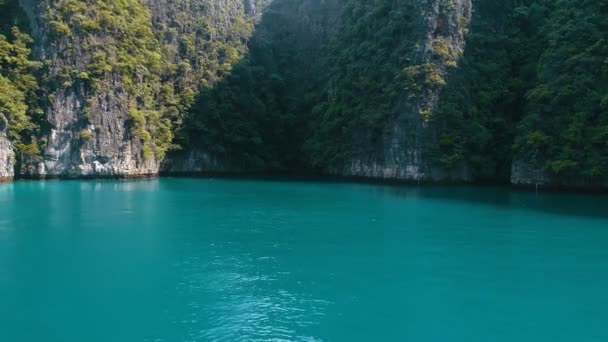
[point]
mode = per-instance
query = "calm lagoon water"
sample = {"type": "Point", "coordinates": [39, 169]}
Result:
{"type": "Point", "coordinates": [246, 260]}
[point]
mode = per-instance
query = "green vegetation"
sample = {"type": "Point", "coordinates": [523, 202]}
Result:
{"type": "Point", "coordinates": [19, 86]}
{"type": "Point", "coordinates": [312, 95]}
{"type": "Point", "coordinates": [367, 63]}
{"type": "Point", "coordinates": [201, 44]}
{"type": "Point", "coordinates": [128, 48]}
{"type": "Point", "coordinates": [569, 103]}
{"type": "Point", "coordinates": [320, 80]}
{"type": "Point", "coordinates": [109, 49]}
{"type": "Point", "coordinates": [86, 135]}
{"type": "Point", "coordinates": [533, 85]}
{"type": "Point", "coordinates": [257, 115]}
{"type": "Point", "coordinates": [160, 71]}
{"type": "Point", "coordinates": [484, 99]}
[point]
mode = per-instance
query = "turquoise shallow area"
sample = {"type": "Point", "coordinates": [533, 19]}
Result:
{"type": "Point", "coordinates": [250, 260]}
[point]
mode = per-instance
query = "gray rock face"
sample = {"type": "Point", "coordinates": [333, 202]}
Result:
{"type": "Point", "coordinates": [195, 161]}
{"type": "Point", "coordinates": [98, 142]}
{"type": "Point", "coordinates": [7, 157]}
{"type": "Point", "coordinates": [525, 174]}
{"type": "Point", "coordinates": [109, 150]}
{"type": "Point", "coordinates": [90, 133]}
{"type": "Point", "coordinates": [530, 174]}
{"type": "Point", "coordinates": [401, 154]}
{"type": "Point", "coordinates": [408, 134]}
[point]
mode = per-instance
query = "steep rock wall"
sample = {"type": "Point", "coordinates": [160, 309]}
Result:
{"type": "Point", "coordinates": [203, 38]}
{"type": "Point", "coordinates": [117, 89]}
{"type": "Point", "coordinates": [407, 135]}
{"type": "Point", "coordinates": [562, 137]}
{"type": "Point", "coordinates": [7, 157]}
{"type": "Point", "coordinates": [238, 125]}
{"type": "Point", "coordinates": [292, 104]}
{"type": "Point", "coordinates": [533, 175]}
{"type": "Point", "coordinates": [89, 132]}
{"type": "Point", "coordinates": [197, 161]}
{"type": "Point", "coordinates": [376, 89]}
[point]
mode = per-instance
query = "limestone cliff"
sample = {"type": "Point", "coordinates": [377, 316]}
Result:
{"type": "Point", "coordinates": [440, 37]}
{"type": "Point", "coordinates": [88, 132]}
{"type": "Point", "coordinates": [562, 138]}
{"type": "Point", "coordinates": [415, 90]}
{"type": "Point", "coordinates": [117, 88]}
{"type": "Point", "coordinates": [7, 157]}
{"type": "Point", "coordinates": [234, 126]}
{"type": "Point", "coordinates": [303, 97]}
{"type": "Point", "coordinates": [532, 174]}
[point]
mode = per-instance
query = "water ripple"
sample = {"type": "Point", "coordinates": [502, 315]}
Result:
{"type": "Point", "coordinates": [246, 305]}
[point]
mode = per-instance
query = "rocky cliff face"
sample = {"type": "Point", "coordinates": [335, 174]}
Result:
{"type": "Point", "coordinates": [197, 161]}
{"type": "Point", "coordinates": [531, 174]}
{"type": "Point", "coordinates": [203, 38]}
{"type": "Point", "coordinates": [379, 89]}
{"type": "Point", "coordinates": [234, 126]}
{"type": "Point", "coordinates": [344, 87]}
{"type": "Point", "coordinates": [440, 37]}
{"type": "Point", "coordinates": [562, 138]}
{"type": "Point", "coordinates": [89, 133]}
{"type": "Point", "coordinates": [117, 88]}
{"type": "Point", "coordinates": [7, 157]}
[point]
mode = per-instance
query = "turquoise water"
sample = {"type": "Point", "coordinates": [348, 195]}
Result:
{"type": "Point", "coordinates": [246, 260]}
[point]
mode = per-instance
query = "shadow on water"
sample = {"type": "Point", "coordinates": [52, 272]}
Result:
{"type": "Point", "coordinates": [505, 196]}
{"type": "Point", "coordinates": [570, 204]}
{"type": "Point", "coordinates": [500, 196]}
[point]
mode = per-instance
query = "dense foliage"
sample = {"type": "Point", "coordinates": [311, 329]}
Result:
{"type": "Point", "coordinates": [258, 116]}
{"type": "Point", "coordinates": [128, 48]}
{"type": "Point", "coordinates": [316, 89]}
{"type": "Point", "coordinates": [161, 67]}
{"type": "Point", "coordinates": [19, 86]}
{"type": "Point", "coordinates": [201, 43]}
{"type": "Point", "coordinates": [321, 80]}
{"type": "Point", "coordinates": [533, 86]}
{"type": "Point", "coordinates": [102, 49]}
{"type": "Point", "coordinates": [566, 122]}
{"type": "Point", "coordinates": [366, 64]}
{"type": "Point", "coordinates": [485, 97]}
